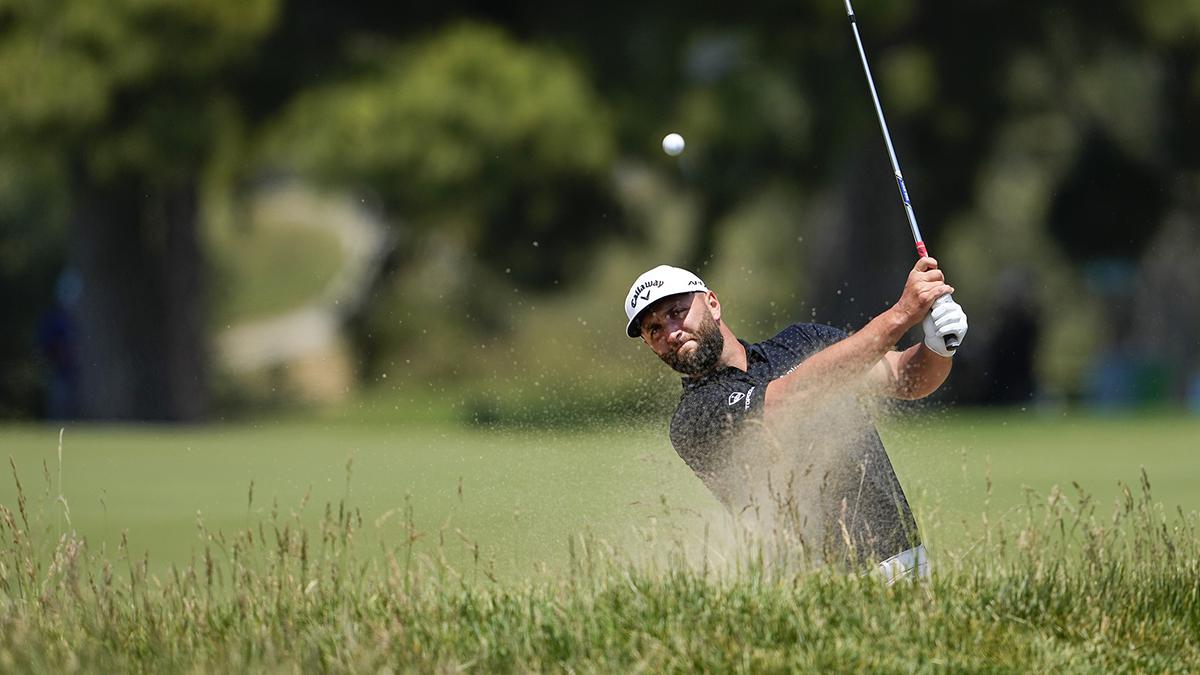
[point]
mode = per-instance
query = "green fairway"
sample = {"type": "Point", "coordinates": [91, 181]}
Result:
{"type": "Point", "coordinates": [945, 460]}
{"type": "Point", "coordinates": [274, 581]}
{"type": "Point", "coordinates": [521, 495]}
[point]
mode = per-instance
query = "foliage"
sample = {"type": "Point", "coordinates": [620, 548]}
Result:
{"type": "Point", "coordinates": [503, 143]}
{"type": "Point", "coordinates": [1067, 587]}
{"type": "Point", "coordinates": [142, 71]}
{"type": "Point", "coordinates": [501, 147]}
{"type": "Point", "coordinates": [493, 155]}
{"type": "Point", "coordinates": [31, 253]}
{"type": "Point", "coordinates": [126, 100]}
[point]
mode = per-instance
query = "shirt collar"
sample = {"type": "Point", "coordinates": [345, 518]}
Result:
{"type": "Point", "coordinates": [693, 382]}
{"type": "Point", "coordinates": [753, 352]}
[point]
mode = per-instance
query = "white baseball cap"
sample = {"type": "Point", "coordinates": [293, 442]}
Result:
{"type": "Point", "coordinates": [657, 283]}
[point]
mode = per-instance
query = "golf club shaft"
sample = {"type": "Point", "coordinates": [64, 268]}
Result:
{"type": "Point", "coordinates": [951, 340]}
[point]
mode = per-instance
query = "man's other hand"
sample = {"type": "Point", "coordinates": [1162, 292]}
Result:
{"type": "Point", "coordinates": [946, 318]}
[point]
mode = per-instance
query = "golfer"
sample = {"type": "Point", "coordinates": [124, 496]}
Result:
{"type": "Point", "coordinates": [783, 426]}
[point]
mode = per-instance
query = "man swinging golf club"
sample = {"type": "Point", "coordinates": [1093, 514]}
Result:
{"type": "Point", "coordinates": [784, 423]}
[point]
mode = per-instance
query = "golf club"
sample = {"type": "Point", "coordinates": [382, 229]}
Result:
{"type": "Point", "coordinates": [950, 340]}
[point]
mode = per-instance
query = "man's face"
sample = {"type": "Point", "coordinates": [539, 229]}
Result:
{"type": "Point", "coordinates": [683, 333]}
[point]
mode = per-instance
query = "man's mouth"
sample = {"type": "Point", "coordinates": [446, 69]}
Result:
{"type": "Point", "coordinates": [689, 341]}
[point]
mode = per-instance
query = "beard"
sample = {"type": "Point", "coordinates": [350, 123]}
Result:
{"type": "Point", "coordinates": [709, 345]}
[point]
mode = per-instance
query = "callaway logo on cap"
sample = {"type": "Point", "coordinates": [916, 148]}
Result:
{"type": "Point", "coordinates": [658, 283]}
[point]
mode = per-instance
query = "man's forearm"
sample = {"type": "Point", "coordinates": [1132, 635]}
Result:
{"type": "Point", "coordinates": [843, 363]}
{"type": "Point", "coordinates": [913, 374]}
{"type": "Point", "coordinates": [918, 372]}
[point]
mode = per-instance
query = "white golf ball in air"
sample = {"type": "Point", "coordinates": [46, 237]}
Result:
{"type": "Point", "coordinates": [673, 144]}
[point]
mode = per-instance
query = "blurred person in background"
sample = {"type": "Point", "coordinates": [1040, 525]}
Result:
{"type": "Point", "coordinates": [56, 338]}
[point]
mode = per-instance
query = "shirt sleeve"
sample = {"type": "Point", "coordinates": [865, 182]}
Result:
{"type": "Point", "coordinates": [809, 338]}
{"type": "Point", "coordinates": [796, 343]}
{"type": "Point", "coordinates": [711, 417]}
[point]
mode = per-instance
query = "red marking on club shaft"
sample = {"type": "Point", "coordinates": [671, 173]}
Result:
{"type": "Point", "coordinates": [921, 249]}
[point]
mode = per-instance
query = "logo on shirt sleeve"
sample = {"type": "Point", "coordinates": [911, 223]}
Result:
{"type": "Point", "coordinates": [735, 397]}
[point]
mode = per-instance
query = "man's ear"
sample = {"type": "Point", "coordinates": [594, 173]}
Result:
{"type": "Point", "coordinates": [714, 305]}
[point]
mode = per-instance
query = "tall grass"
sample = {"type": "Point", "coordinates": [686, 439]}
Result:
{"type": "Point", "coordinates": [1061, 584]}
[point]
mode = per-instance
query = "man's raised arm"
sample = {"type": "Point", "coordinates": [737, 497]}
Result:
{"type": "Point", "coordinates": [867, 356]}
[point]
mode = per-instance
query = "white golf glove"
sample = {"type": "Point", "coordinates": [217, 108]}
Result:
{"type": "Point", "coordinates": [946, 318]}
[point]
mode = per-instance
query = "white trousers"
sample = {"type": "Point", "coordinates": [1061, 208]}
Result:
{"type": "Point", "coordinates": [910, 564]}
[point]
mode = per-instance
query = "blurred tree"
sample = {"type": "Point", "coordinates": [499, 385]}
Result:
{"type": "Point", "coordinates": [32, 238]}
{"type": "Point", "coordinates": [127, 97]}
{"type": "Point", "coordinates": [1033, 149]}
{"type": "Point", "coordinates": [501, 146]}
{"type": "Point", "coordinates": [496, 156]}
{"type": "Point", "coordinates": [1065, 132]}
{"type": "Point", "coordinates": [1057, 141]}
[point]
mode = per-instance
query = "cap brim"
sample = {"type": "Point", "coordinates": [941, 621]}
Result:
{"type": "Point", "coordinates": [629, 328]}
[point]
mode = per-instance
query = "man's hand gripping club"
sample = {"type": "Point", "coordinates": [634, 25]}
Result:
{"type": "Point", "coordinates": [913, 373]}
{"type": "Point", "coordinates": [926, 297]}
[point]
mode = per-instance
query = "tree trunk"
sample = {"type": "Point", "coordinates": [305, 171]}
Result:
{"type": "Point", "coordinates": [861, 249]}
{"type": "Point", "coordinates": [141, 318]}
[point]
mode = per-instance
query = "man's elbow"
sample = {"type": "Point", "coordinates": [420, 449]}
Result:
{"type": "Point", "coordinates": [909, 394]}
{"type": "Point", "coordinates": [913, 391]}
{"type": "Point", "coordinates": [918, 395]}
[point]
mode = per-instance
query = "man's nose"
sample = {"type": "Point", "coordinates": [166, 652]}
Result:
{"type": "Point", "coordinates": [677, 336]}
